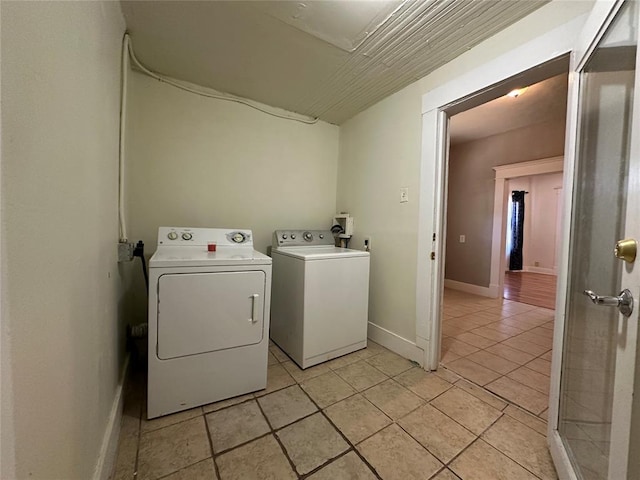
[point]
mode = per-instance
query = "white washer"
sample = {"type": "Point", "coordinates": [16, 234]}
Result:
{"type": "Point", "coordinates": [319, 298]}
{"type": "Point", "coordinates": [208, 318]}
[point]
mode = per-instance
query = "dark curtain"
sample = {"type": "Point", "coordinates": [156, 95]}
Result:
{"type": "Point", "coordinates": [517, 230]}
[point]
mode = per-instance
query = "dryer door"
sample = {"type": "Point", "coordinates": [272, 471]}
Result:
{"type": "Point", "coordinates": [205, 312]}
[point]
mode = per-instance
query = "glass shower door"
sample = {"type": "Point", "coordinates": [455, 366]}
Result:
{"type": "Point", "coordinates": [599, 343]}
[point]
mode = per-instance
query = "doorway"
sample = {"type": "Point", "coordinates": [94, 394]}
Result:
{"type": "Point", "coordinates": [530, 268]}
{"type": "Point", "coordinates": [600, 103]}
{"type": "Point", "coordinates": [532, 239]}
{"type": "Point", "coordinates": [503, 345]}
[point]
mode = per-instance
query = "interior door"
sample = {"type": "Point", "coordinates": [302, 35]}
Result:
{"type": "Point", "coordinates": [593, 421]}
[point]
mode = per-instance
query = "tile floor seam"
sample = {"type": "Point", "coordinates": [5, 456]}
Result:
{"type": "Point", "coordinates": [515, 404]}
{"type": "Point", "coordinates": [213, 453]}
{"type": "Point", "coordinates": [378, 368]}
{"type": "Point", "coordinates": [500, 453]}
{"type": "Point", "coordinates": [344, 437]}
{"type": "Point", "coordinates": [512, 459]}
{"type": "Point", "coordinates": [467, 428]}
{"type": "Point", "coordinates": [173, 424]}
{"type": "Point", "coordinates": [479, 364]}
{"type": "Point", "coordinates": [485, 390]}
{"type": "Point", "coordinates": [189, 466]}
{"type": "Point", "coordinates": [273, 433]}
{"type": "Point", "coordinates": [427, 449]}
{"type": "Point", "coordinates": [444, 467]}
{"type": "Point", "coordinates": [227, 406]}
{"type": "Point", "coordinates": [452, 379]}
{"type": "Point", "coordinates": [320, 467]}
{"type": "Point", "coordinates": [505, 400]}
{"type": "Point", "coordinates": [461, 452]}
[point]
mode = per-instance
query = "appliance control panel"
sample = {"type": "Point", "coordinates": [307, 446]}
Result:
{"type": "Point", "coordinates": [184, 236]}
{"type": "Point", "coordinates": [299, 238]}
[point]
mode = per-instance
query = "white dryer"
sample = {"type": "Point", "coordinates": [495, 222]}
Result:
{"type": "Point", "coordinates": [320, 296]}
{"type": "Point", "coordinates": [208, 318]}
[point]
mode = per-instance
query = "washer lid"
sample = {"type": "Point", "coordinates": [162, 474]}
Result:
{"type": "Point", "coordinates": [320, 253]}
{"type": "Point", "coordinates": [196, 256]}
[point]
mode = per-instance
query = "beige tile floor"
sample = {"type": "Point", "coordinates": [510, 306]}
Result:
{"type": "Point", "coordinates": [368, 415]}
{"type": "Point", "coordinates": [501, 345]}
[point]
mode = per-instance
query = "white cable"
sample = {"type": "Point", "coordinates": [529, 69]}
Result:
{"type": "Point", "coordinates": [123, 111]}
{"type": "Point", "coordinates": [219, 96]}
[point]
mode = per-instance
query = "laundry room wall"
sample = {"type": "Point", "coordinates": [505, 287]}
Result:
{"type": "Point", "coordinates": [373, 196]}
{"type": "Point", "coordinates": [63, 345]}
{"type": "Point", "coordinates": [201, 162]}
{"type": "Point", "coordinates": [472, 189]}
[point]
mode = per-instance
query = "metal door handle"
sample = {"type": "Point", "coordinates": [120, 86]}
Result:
{"type": "Point", "coordinates": [624, 301]}
{"type": "Point", "coordinates": [254, 308]}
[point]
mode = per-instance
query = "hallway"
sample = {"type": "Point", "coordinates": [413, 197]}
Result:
{"type": "Point", "coordinates": [501, 345]}
{"type": "Point", "coordinates": [531, 288]}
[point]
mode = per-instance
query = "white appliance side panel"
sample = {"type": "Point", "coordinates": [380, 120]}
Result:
{"type": "Point", "coordinates": [205, 312]}
{"type": "Point", "coordinates": [287, 307]}
{"type": "Point", "coordinates": [336, 304]}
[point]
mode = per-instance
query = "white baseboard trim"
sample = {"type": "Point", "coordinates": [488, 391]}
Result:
{"type": "Point", "coordinates": [469, 288]}
{"type": "Point", "coordinates": [494, 291]}
{"type": "Point", "coordinates": [109, 449]}
{"type": "Point", "coordinates": [395, 343]}
{"type": "Point", "coordinates": [545, 271]}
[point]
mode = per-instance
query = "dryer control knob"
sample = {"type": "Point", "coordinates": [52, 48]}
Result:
{"type": "Point", "coordinates": [308, 236]}
{"type": "Point", "coordinates": [284, 236]}
{"type": "Point", "coordinates": [172, 235]}
{"type": "Point", "coordinates": [321, 236]}
{"type": "Point", "coordinates": [187, 236]}
{"type": "Point", "coordinates": [293, 236]}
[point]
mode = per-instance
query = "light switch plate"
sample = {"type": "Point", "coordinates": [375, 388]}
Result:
{"type": "Point", "coordinates": [404, 194]}
{"type": "Point", "coordinates": [463, 238]}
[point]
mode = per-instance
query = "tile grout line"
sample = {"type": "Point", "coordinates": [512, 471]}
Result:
{"type": "Point", "coordinates": [504, 399]}
{"type": "Point", "coordinates": [213, 455]}
{"type": "Point", "coordinates": [272, 432]}
{"type": "Point", "coordinates": [322, 411]}
{"type": "Point", "coordinates": [351, 445]}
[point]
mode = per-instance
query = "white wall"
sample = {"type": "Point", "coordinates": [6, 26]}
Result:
{"type": "Point", "coordinates": [541, 220]}
{"type": "Point", "coordinates": [376, 159]}
{"type": "Point", "coordinates": [380, 152]}
{"type": "Point", "coordinates": [201, 162]}
{"type": "Point", "coordinates": [60, 285]}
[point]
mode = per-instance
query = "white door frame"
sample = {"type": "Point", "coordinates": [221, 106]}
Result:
{"type": "Point", "coordinates": [485, 83]}
{"type": "Point", "coordinates": [500, 202]}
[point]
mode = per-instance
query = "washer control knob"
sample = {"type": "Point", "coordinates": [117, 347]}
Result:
{"type": "Point", "coordinates": [293, 236]}
{"type": "Point", "coordinates": [238, 237]}
{"type": "Point", "coordinates": [284, 236]}
{"type": "Point", "coordinates": [172, 235]}
{"type": "Point", "coordinates": [308, 236]}
{"type": "Point", "coordinates": [187, 236]}
{"type": "Point", "coordinates": [321, 236]}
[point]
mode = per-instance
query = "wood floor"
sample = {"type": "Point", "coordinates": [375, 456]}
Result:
{"type": "Point", "coordinates": [531, 288]}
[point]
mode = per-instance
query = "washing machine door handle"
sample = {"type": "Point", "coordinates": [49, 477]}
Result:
{"type": "Point", "coordinates": [254, 308]}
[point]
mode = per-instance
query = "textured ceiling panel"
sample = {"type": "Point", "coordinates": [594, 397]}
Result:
{"type": "Point", "coordinates": [244, 48]}
{"type": "Point", "coordinates": [342, 24]}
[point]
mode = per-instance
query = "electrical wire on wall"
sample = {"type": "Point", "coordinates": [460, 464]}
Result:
{"type": "Point", "coordinates": [212, 93]}
{"type": "Point", "coordinates": [123, 110]}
